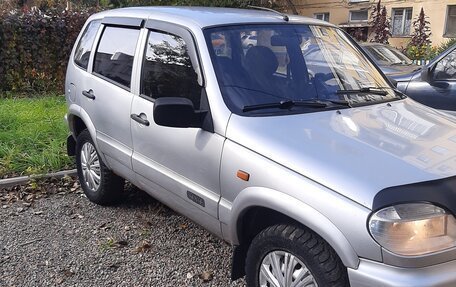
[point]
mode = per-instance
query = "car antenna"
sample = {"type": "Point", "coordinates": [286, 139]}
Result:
{"type": "Point", "coordinates": [284, 16]}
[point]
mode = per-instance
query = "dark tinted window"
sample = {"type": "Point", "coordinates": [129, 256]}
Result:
{"type": "Point", "coordinates": [167, 70]}
{"type": "Point", "coordinates": [446, 68]}
{"type": "Point", "coordinates": [115, 53]}
{"type": "Point", "coordinates": [82, 53]}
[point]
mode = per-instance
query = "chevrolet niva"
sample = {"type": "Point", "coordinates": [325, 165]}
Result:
{"type": "Point", "coordinates": [294, 149]}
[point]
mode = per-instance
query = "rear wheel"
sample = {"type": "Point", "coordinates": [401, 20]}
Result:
{"type": "Point", "coordinates": [291, 256]}
{"type": "Point", "coordinates": [99, 184]}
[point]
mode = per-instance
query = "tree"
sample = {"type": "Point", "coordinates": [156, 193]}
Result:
{"type": "Point", "coordinates": [420, 44]}
{"type": "Point", "coordinates": [380, 24]}
{"type": "Point", "coordinates": [422, 34]}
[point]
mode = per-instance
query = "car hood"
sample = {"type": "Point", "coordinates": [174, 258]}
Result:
{"type": "Point", "coordinates": [358, 151]}
{"type": "Point", "coordinates": [406, 76]}
{"type": "Point", "coordinates": [398, 69]}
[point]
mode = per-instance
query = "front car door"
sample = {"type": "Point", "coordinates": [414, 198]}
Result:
{"type": "Point", "coordinates": [179, 166]}
{"type": "Point", "coordinates": [440, 90]}
{"type": "Point", "coordinates": [107, 91]}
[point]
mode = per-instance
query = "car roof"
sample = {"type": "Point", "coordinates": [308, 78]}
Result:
{"type": "Point", "coordinates": [206, 16]}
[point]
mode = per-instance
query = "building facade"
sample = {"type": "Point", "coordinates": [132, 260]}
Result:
{"type": "Point", "coordinates": [354, 16]}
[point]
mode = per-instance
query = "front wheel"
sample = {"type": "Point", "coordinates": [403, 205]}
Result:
{"type": "Point", "coordinates": [99, 184]}
{"type": "Point", "coordinates": [291, 256]}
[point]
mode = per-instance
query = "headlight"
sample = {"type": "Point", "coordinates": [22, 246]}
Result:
{"type": "Point", "coordinates": [413, 228]}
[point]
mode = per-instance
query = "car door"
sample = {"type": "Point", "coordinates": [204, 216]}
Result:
{"type": "Point", "coordinates": [107, 93]}
{"type": "Point", "coordinates": [179, 166]}
{"type": "Point", "coordinates": [439, 90]}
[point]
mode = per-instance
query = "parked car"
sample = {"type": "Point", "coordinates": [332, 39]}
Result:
{"type": "Point", "coordinates": [390, 60]}
{"type": "Point", "coordinates": [329, 178]}
{"type": "Point", "coordinates": [435, 84]}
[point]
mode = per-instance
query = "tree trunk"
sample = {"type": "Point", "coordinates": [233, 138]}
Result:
{"type": "Point", "coordinates": [292, 7]}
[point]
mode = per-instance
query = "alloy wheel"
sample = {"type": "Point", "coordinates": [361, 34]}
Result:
{"type": "Point", "coordinates": [283, 269]}
{"type": "Point", "coordinates": [90, 164]}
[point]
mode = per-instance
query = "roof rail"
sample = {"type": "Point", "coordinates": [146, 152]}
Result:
{"type": "Point", "coordinates": [284, 16]}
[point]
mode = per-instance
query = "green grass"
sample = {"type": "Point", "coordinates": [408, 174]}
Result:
{"type": "Point", "coordinates": [33, 135]}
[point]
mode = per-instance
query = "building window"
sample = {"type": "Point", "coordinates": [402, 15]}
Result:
{"type": "Point", "coordinates": [322, 16]}
{"type": "Point", "coordinates": [450, 29]}
{"type": "Point", "coordinates": [402, 21]}
{"type": "Point", "coordinates": [359, 15]}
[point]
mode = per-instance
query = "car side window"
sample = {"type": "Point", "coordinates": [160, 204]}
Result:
{"type": "Point", "coordinates": [167, 69]}
{"type": "Point", "coordinates": [446, 68]}
{"type": "Point", "coordinates": [84, 48]}
{"type": "Point", "coordinates": [115, 53]}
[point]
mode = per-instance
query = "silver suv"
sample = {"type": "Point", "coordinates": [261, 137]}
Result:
{"type": "Point", "coordinates": [296, 150]}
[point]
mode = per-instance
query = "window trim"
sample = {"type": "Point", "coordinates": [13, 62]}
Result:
{"type": "Point", "coordinates": [447, 16]}
{"type": "Point", "coordinates": [104, 26]}
{"type": "Point", "coordinates": [123, 22]}
{"type": "Point", "coordinates": [404, 12]}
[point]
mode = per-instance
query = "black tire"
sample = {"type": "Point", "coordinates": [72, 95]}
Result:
{"type": "Point", "coordinates": [321, 260]}
{"type": "Point", "coordinates": [110, 186]}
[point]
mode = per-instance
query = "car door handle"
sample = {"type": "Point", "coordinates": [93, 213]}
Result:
{"type": "Point", "coordinates": [142, 119]}
{"type": "Point", "coordinates": [89, 94]}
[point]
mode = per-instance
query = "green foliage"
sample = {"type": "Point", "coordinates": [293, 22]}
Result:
{"type": "Point", "coordinates": [421, 53]}
{"type": "Point", "coordinates": [35, 47]}
{"type": "Point", "coordinates": [420, 47]}
{"type": "Point", "coordinates": [32, 135]}
{"type": "Point", "coordinates": [445, 45]}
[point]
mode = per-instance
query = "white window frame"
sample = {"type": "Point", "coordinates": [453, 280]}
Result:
{"type": "Point", "coordinates": [404, 15]}
{"type": "Point", "coordinates": [361, 10]}
{"type": "Point", "coordinates": [324, 14]}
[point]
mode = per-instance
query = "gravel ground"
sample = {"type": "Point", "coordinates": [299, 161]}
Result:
{"type": "Point", "coordinates": [51, 235]}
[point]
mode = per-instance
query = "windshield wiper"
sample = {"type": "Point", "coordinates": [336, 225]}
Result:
{"type": "Point", "coordinates": [288, 104]}
{"type": "Point", "coordinates": [365, 90]}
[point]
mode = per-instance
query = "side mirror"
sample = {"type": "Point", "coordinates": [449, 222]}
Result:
{"type": "Point", "coordinates": [393, 82]}
{"type": "Point", "coordinates": [426, 74]}
{"type": "Point", "coordinates": [176, 113]}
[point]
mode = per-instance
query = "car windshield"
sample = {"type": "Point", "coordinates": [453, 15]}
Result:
{"type": "Point", "coordinates": [292, 64]}
{"type": "Point", "coordinates": [388, 55]}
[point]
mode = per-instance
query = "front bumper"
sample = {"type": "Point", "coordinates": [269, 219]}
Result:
{"type": "Point", "coordinates": [375, 274]}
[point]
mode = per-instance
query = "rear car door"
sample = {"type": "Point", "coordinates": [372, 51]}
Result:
{"type": "Point", "coordinates": [185, 162]}
{"type": "Point", "coordinates": [107, 93]}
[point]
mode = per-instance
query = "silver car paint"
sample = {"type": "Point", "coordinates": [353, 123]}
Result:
{"type": "Point", "coordinates": [311, 167]}
{"type": "Point", "coordinates": [356, 152]}
{"type": "Point", "coordinates": [276, 187]}
{"type": "Point", "coordinates": [370, 274]}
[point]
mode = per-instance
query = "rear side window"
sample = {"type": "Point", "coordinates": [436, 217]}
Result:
{"type": "Point", "coordinates": [167, 69]}
{"type": "Point", "coordinates": [82, 53]}
{"type": "Point", "coordinates": [115, 53]}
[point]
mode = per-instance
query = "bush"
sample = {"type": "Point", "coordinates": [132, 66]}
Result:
{"type": "Point", "coordinates": [35, 47]}
{"type": "Point", "coordinates": [421, 53]}
{"type": "Point", "coordinates": [445, 45]}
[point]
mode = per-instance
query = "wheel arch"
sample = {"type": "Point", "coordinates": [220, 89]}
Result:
{"type": "Point", "coordinates": [257, 208]}
{"type": "Point", "coordinates": [78, 120]}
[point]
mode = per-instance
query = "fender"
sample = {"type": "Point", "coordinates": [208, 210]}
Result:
{"type": "Point", "coordinates": [76, 110]}
{"type": "Point", "coordinates": [295, 209]}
